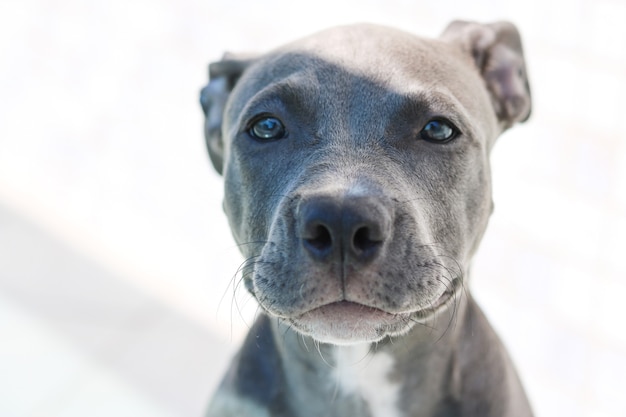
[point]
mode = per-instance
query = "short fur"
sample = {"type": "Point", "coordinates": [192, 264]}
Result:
{"type": "Point", "coordinates": [358, 232]}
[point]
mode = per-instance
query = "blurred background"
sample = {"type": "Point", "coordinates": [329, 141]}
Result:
{"type": "Point", "coordinates": [116, 263]}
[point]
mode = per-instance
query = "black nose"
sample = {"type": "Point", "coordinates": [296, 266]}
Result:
{"type": "Point", "coordinates": [343, 228]}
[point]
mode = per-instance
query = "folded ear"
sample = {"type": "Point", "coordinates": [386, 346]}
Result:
{"type": "Point", "coordinates": [497, 52]}
{"type": "Point", "coordinates": [223, 75]}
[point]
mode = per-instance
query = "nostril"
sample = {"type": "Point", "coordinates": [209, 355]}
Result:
{"type": "Point", "coordinates": [347, 229]}
{"type": "Point", "coordinates": [363, 240]}
{"type": "Point", "coordinates": [321, 238]}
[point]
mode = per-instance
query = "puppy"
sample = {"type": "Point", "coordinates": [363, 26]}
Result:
{"type": "Point", "coordinates": [357, 185]}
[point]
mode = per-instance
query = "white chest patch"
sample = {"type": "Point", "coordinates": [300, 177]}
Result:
{"type": "Point", "coordinates": [368, 375]}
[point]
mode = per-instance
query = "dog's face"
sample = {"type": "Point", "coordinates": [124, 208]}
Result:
{"type": "Point", "coordinates": [356, 170]}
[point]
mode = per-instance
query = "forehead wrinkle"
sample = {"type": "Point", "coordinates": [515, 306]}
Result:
{"type": "Point", "coordinates": [296, 78]}
{"type": "Point", "coordinates": [440, 101]}
{"type": "Point", "coordinates": [293, 91]}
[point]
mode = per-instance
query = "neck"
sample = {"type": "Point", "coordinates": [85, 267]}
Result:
{"type": "Point", "coordinates": [369, 378]}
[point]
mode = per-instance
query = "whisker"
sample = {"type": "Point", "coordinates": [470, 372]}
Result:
{"type": "Point", "coordinates": [304, 342]}
{"type": "Point", "coordinates": [231, 282]}
{"type": "Point", "coordinates": [252, 242]}
{"type": "Point", "coordinates": [319, 351]}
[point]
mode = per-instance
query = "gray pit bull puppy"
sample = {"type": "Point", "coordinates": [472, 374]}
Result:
{"type": "Point", "coordinates": [357, 185]}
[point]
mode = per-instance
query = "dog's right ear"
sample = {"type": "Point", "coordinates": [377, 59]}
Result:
{"type": "Point", "coordinates": [223, 75]}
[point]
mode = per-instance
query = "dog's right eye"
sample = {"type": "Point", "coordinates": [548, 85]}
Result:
{"type": "Point", "coordinates": [267, 128]}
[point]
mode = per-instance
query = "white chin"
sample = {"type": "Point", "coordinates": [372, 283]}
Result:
{"type": "Point", "coordinates": [339, 339]}
{"type": "Point", "coordinates": [346, 323]}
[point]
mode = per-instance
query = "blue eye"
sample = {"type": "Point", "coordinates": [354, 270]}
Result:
{"type": "Point", "coordinates": [438, 131]}
{"type": "Point", "coordinates": [267, 128]}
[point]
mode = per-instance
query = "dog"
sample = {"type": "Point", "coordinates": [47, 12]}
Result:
{"type": "Point", "coordinates": [357, 186]}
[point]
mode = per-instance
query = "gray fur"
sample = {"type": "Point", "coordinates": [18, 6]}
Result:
{"type": "Point", "coordinates": [403, 217]}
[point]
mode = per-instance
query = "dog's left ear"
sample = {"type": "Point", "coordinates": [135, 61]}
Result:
{"type": "Point", "coordinates": [223, 75]}
{"type": "Point", "coordinates": [497, 52]}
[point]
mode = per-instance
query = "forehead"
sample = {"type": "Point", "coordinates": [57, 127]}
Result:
{"type": "Point", "coordinates": [394, 59]}
{"type": "Point", "coordinates": [366, 63]}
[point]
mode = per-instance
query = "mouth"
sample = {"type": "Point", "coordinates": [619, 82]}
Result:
{"type": "Point", "coordinates": [448, 297]}
{"type": "Point", "coordinates": [347, 322]}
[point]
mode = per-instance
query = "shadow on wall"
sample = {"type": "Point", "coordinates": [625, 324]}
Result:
{"type": "Point", "coordinates": [156, 350]}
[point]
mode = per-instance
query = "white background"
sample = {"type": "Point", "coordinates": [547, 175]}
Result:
{"type": "Point", "coordinates": [115, 254]}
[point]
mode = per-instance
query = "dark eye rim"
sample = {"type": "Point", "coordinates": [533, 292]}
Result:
{"type": "Point", "coordinates": [455, 131]}
{"type": "Point", "coordinates": [254, 120]}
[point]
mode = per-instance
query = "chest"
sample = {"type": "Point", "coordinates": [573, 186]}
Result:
{"type": "Point", "coordinates": [370, 376]}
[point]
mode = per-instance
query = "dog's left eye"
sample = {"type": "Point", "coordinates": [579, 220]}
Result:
{"type": "Point", "coordinates": [438, 131]}
{"type": "Point", "coordinates": [267, 128]}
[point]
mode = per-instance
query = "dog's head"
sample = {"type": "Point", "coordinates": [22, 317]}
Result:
{"type": "Point", "coordinates": [357, 179]}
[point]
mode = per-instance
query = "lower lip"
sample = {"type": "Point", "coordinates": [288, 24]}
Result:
{"type": "Point", "coordinates": [352, 315]}
{"type": "Point", "coordinates": [346, 322]}
{"type": "Point", "coordinates": [349, 310]}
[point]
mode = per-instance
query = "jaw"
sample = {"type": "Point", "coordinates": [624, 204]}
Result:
{"type": "Point", "coordinates": [349, 323]}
